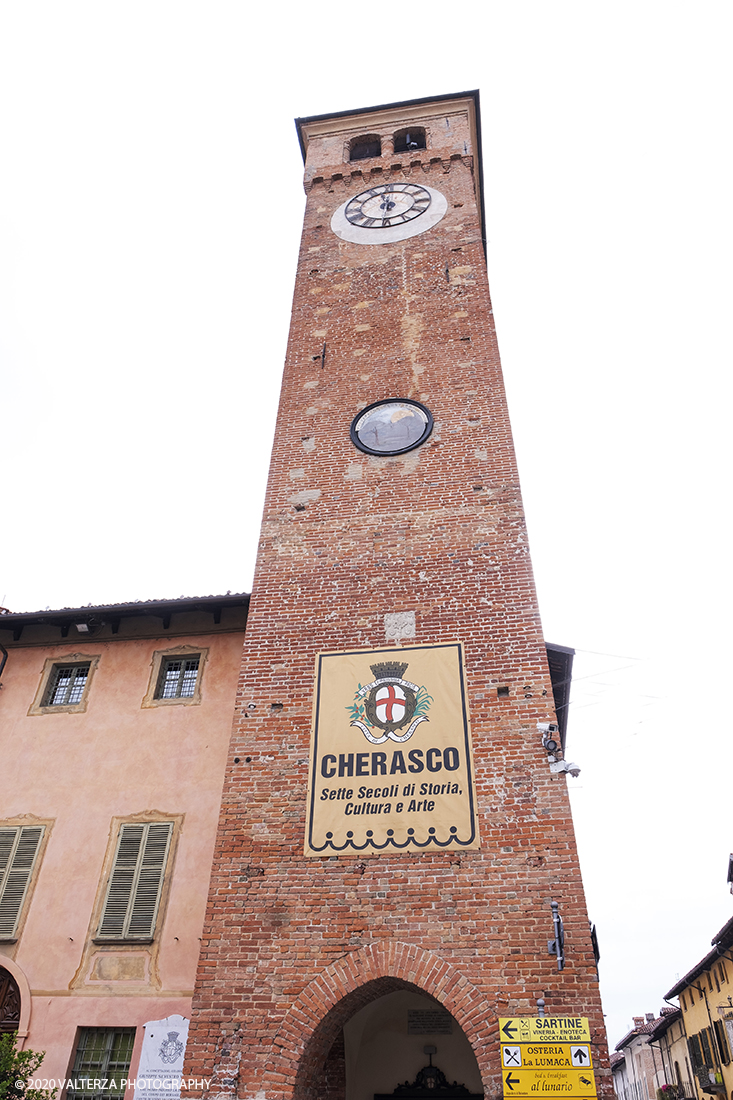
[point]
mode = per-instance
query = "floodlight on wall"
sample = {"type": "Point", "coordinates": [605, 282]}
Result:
{"type": "Point", "coordinates": [558, 767]}
{"type": "Point", "coordinates": [89, 626]}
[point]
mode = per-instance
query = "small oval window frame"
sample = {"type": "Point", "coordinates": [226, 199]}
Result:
{"type": "Point", "coordinates": [400, 450]}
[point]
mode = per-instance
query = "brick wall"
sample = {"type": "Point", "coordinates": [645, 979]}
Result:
{"type": "Point", "coordinates": [294, 946]}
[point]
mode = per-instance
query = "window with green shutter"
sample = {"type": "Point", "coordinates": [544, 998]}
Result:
{"type": "Point", "coordinates": [136, 881]}
{"type": "Point", "coordinates": [18, 850]}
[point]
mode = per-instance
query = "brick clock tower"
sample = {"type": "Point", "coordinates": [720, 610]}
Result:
{"type": "Point", "coordinates": [394, 831]}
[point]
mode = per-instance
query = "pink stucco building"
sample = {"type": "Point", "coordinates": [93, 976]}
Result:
{"type": "Point", "coordinates": [114, 728]}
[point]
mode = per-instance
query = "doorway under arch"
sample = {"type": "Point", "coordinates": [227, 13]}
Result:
{"type": "Point", "coordinates": [378, 1039]}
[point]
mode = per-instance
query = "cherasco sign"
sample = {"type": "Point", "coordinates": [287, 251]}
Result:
{"type": "Point", "coordinates": [391, 763]}
{"type": "Point", "coordinates": [546, 1056]}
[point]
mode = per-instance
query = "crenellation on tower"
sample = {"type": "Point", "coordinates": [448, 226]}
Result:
{"type": "Point", "coordinates": [444, 128]}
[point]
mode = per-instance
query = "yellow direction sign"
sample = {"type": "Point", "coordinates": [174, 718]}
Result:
{"type": "Point", "coordinates": [546, 1055]}
{"type": "Point", "coordinates": [548, 1082]}
{"type": "Point", "coordinates": [544, 1029]}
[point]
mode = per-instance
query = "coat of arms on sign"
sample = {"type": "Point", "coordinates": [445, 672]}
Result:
{"type": "Point", "coordinates": [171, 1048]}
{"type": "Point", "coordinates": [388, 704]}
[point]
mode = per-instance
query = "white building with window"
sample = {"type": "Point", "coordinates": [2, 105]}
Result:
{"type": "Point", "coordinates": [638, 1066]}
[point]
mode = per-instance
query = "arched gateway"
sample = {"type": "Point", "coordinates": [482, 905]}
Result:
{"type": "Point", "coordinates": [361, 1028]}
{"type": "Point", "coordinates": [398, 1044]}
{"type": "Point", "coordinates": [316, 1033]}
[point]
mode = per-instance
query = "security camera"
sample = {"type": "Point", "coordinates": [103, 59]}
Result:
{"type": "Point", "coordinates": [549, 740]}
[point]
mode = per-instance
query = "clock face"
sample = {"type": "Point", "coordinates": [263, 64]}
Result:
{"type": "Point", "coordinates": [388, 204]}
{"type": "Point", "coordinates": [391, 427]}
{"type": "Point", "coordinates": [389, 212]}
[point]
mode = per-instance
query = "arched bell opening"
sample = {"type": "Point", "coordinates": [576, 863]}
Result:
{"type": "Point", "coordinates": [388, 1038]}
{"type": "Point", "coordinates": [365, 146]}
{"type": "Point", "coordinates": [408, 141]}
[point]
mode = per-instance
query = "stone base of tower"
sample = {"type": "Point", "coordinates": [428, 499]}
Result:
{"type": "Point", "coordinates": [311, 1051]}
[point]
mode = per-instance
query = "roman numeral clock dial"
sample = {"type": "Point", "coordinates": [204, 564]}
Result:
{"type": "Point", "coordinates": [388, 204]}
{"type": "Point", "coordinates": [388, 212]}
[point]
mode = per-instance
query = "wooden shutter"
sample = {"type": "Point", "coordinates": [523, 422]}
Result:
{"type": "Point", "coordinates": [707, 1052]}
{"type": "Point", "coordinates": [133, 895]}
{"type": "Point", "coordinates": [719, 1029]}
{"type": "Point", "coordinates": [693, 1045]}
{"type": "Point", "coordinates": [18, 849]}
{"type": "Point", "coordinates": [122, 881]}
{"type": "Point", "coordinates": [145, 900]}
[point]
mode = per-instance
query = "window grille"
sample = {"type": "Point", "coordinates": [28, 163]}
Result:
{"type": "Point", "coordinates": [178, 676]}
{"type": "Point", "coordinates": [136, 882]}
{"type": "Point", "coordinates": [18, 850]}
{"type": "Point", "coordinates": [102, 1063]}
{"type": "Point", "coordinates": [66, 685]}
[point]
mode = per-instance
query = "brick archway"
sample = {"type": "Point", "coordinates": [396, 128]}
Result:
{"type": "Point", "coordinates": [308, 1031]}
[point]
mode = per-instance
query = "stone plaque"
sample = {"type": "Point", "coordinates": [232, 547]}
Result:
{"type": "Point", "coordinates": [390, 765]}
{"type": "Point", "coordinates": [161, 1059]}
{"type": "Point", "coordinates": [429, 1021]}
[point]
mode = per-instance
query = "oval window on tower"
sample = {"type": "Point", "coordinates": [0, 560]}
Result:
{"type": "Point", "coordinates": [391, 427]}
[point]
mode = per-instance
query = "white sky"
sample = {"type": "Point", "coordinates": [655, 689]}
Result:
{"type": "Point", "coordinates": [150, 211]}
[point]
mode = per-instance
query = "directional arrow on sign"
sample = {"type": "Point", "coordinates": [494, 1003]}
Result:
{"type": "Point", "coordinates": [531, 1081]}
{"type": "Point", "coordinates": [544, 1029]}
{"type": "Point", "coordinates": [580, 1056]}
